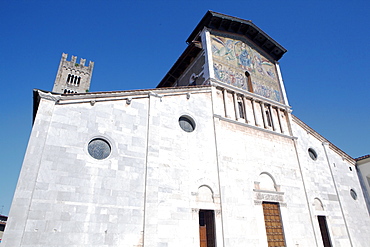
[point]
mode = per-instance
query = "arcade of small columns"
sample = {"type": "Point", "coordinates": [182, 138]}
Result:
{"type": "Point", "coordinates": [248, 108]}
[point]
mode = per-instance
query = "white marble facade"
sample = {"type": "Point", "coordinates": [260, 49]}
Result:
{"type": "Point", "coordinates": [242, 150]}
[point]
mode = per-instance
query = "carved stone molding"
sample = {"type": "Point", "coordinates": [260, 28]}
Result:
{"type": "Point", "coordinates": [49, 96]}
{"type": "Point", "coordinates": [257, 202]}
{"type": "Point", "coordinates": [269, 197]}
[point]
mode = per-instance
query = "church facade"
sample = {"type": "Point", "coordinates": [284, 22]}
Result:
{"type": "Point", "coordinates": [211, 157]}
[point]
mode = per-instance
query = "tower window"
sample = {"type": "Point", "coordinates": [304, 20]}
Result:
{"type": "Point", "coordinates": [70, 78]}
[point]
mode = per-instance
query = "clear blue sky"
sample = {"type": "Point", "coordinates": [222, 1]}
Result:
{"type": "Point", "coordinates": [134, 44]}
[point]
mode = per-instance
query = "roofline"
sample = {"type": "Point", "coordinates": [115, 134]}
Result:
{"type": "Point", "coordinates": [363, 157]}
{"type": "Point", "coordinates": [240, 26]}
{"type": "Point", "coordinates": [181, 64]}
{"type": "Point", "coordinates": [95, 96]}
{"type": "Point", "coordinates": [323, 139]}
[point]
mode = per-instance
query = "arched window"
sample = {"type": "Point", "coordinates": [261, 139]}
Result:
{"type": "Point", "coordinates": [249, 81]}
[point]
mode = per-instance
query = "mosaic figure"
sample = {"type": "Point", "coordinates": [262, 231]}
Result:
{"type": "Point", "coordinates": [233, 57]}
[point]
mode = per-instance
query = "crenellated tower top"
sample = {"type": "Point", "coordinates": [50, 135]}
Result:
{"type": "Point", "coordinates": [73, 77]}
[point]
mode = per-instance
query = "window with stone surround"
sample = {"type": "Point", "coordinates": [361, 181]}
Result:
{"type": "Point", "coordinates": [187, 123]}
{"type": "Point", "coordinates": [99, 148]}
{"type": "Point", "coordinates": [312, 153]}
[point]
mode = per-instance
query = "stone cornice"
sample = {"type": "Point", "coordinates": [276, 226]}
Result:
{"type": "Point", "coordinates": [49, 96]}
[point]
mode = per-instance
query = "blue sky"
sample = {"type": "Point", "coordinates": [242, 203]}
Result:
{"type": "Point", "coordinates": [134, 44]}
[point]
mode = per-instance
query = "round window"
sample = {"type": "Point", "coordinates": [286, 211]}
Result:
{"type": "Point", "coordinates": [353, 194]}
{"type": "Point", "coordinates": [312, 153]}
{"type": "Point", "coordinates": [99, 149]}
{"type": "Point", "coordinates": [187, 123]}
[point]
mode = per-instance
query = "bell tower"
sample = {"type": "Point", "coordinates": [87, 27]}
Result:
{"type": "Point", "coordinates": [73, 77]}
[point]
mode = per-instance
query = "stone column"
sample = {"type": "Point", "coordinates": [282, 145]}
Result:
{"type": "Point", "coordinates": [256, 122]}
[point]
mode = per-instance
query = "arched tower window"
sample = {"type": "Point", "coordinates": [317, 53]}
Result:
{"type": "Point", "coordinates": [72, 79]}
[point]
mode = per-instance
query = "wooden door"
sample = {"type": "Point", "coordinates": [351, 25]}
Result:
{"type": "Point", "coordinates": [203, 236]}
{"type": "Point", "coordinates": [207, 228]}
{"type": "Point", "coordinates": [273, 224]}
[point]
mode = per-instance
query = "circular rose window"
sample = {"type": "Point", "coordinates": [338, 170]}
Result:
{"type": "Point", "coordinates": [187, 123]}
{"type": "Point", "coordinates": [99, 149]}
{"type": "Point", "coordinates": [312, 153]}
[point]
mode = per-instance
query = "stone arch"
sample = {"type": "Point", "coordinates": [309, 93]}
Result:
{"type": "Point", "coordinates": [318, 204]}
{"type": "Point", "coordinates": [205, 194]}
{"type": "Point", "coordinates": [266, 182]}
